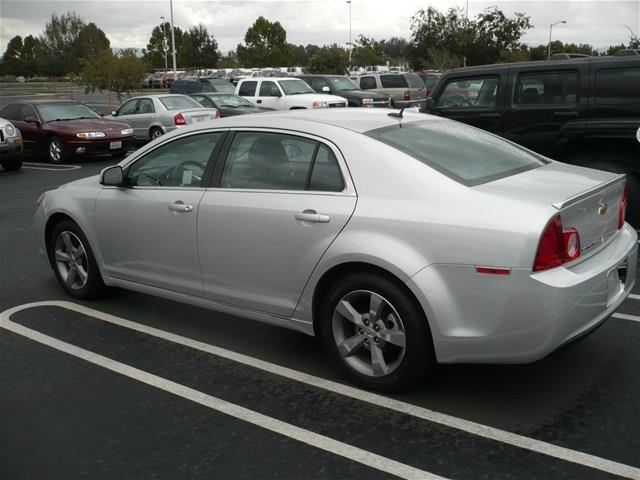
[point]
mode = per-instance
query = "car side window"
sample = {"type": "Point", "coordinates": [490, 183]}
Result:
{"type": "Point", "coordinates": [326, 175]}
{"type": "Point", "coordinates": [318, 83]}
{"type": "Point", "coordinates": [269, 89]}
{"type": "Point", "coordinates": [546, 88]}
{"type": "Point", "coordinates": [270, 161]}
{"type": "Point", "coordinates": [180, 163]}
{"type": "Point", "coordinates": [10, 112]}
{"type": "Point", "coordinates": [478, 92]}
{"type": "Point", "coordinates": [618, 86]}
{"type": "Point", "coordinates": [129, 108]}
{"type": "Point", "coordinates": [368, 83]}
{"type": "Point", "coordinates": [26, 111]}
{"type": "Point", "coordinates": [204, 101]}
{"type": "Point", "coordinates": [247, 89]}
{"type": "Point", "coordinates": [192, 87]}
{"type": "Point", "coordinates": [145, 105]}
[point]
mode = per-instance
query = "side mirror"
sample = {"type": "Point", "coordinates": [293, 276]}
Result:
{"type": "Point", "coordinates": [32, 120]}
{"type": "Point", "coordinates": [430, 105]}
{"type": "Point", "coordinates": [326, 89]}
{"type": "Point", "coordinates": [112, 176]}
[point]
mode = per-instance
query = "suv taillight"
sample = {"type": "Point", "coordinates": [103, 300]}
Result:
{"type": "Point", "coordinates": [407, 94]}
{"type": "Point", "coordinates": [557, 245]}
{"type": "Point", "coordinates": [178, 119]}
{"type": "Point", "coordinates": [622, 209]}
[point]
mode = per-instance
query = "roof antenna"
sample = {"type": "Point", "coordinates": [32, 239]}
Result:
{"type": "Point", "coordinates": [397, 114]}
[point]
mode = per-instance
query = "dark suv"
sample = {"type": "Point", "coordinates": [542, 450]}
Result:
{"type": "Point", "coordinates": [345, 87]}
{"type": "Point", "coordinates": [584, 111]}
{"type": "Point", "coordinates": [187, 86]}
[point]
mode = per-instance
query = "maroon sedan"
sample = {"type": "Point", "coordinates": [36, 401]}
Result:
{"type": "Point", "coordinates": [65, 129]}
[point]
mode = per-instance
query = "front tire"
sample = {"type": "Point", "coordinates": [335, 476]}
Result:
{"type": "Point", "coordinates": [376, 332]}
{"type": "Point", "coordinates": [73, 261]}
{"type": "Point", "coordinates": [56, 151]}
{"type": "Point", "coordinates": [11, 164]}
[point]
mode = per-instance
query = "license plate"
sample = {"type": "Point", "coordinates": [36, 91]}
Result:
{"type": "Point", "coordinates": [115, 145]}
{"type": "Point", "coordinates": [200, 118]}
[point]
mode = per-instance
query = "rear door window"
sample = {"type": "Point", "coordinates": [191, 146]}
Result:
{"type": "Point", "coordinates": [247, 89]}
{"type": "Point", "coordinates": [467, 155]}
{"type": "Point", "coordinates": [368, 83]}
{"type": "Point", "coordinates": [478, 92]}
{"type": "Point", "coordinates": [546, 88]}
{"type": "Point", "coordinates": [618, 86]}
{"type": "Point", "coordinates": [269, 89]}
{"type": "Point", "coordinates": [394, 81]}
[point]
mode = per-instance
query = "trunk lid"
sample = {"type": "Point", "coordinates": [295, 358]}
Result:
{"type": "Point", "coordinates": [198, 115]}
{"type": "Point", "coordinates": [587, 200]}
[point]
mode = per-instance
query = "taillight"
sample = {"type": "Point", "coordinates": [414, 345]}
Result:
{"type": "Point", "coordinates": [178, 119]}
{"type": "Point", "coordinates": [557, 245]}
{"type": "Point", "coordinates": [622, 209]}
{"type": "Point", "coordinates": [217, 113]}
{"type": "Point", "coordinates": [407, 94]}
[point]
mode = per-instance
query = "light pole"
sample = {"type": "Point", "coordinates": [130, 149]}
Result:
{"type": "Point", "coordinates": [550, 29]}
{"type": "Point", "coordinates": [350, 44]}
{"type": "Point", "coordinates": [164, 45]}
{"type": "Point", "coordinates": [173, 40]}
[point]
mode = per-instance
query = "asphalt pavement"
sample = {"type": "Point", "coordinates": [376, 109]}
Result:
{"type": "Point", "coordinates": [133, 386]}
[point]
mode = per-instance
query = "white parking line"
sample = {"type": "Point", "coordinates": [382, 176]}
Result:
{"type": "Point", "coordinates": [48, 166]}
{"type": "Point", "coordinates": [473, 428]}
{"type": "Point", "coordinates": [322, 442]}
{"type": "Point", "coordinates": [626, 316]}
{"type": "Point", "coordinates": [633, 296]}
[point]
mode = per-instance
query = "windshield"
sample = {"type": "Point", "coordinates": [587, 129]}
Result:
{"type": "Point", "coordinates": [225, 87]}
{"type": "Point", "coordinates": [295, 87]}
{"type": "Point", "coordinates": [178, 103]}
{"type": "Point", "coordinates": [467, 155]}
{"type": "Point", "coordinates": [343, 84]}
{"type": "Point", "coordinates": [65, 111]}
{"type": "Point", "coordinates": [230, 101]}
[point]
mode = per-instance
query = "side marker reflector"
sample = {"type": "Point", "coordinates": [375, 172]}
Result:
{"type": "Point", "coordinates": [493, 270]}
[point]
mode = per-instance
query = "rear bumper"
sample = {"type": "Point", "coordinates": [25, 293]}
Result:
{"type": "Point", "coordinates": [525, 316]}
{"type": "Point", "coordinates": [97, 147]}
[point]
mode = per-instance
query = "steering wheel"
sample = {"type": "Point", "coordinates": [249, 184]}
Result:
{"type": "Point", "coordinates": [458, 101]}
{"type": "Point", "coordinates": [177, 172]}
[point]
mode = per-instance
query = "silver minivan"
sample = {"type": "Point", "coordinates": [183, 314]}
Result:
{"type": "Point", "coordinates": [403, 88]}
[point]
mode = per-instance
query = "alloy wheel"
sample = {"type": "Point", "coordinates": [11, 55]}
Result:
{"type": "Point", "coordinates": [55, 150]}
{"type": "Point", "coordinates": [71, 260]}
{"type": "Point", "coordinates": [369, 333]}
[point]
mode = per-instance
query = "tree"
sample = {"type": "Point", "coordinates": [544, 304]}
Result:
{"type": "Point", "coordinates": [58, 41]}
{"type": "Point", "coordinates": [199, 49]}
{"type": "Point", "coordinates": [230, 60]}
{"type": "Point", "coordinates": [495, 32]}
{"type": "Point", "coordinates": [31, 53]}
{"type": "Point", "coordinates": [265, 45]}
{"type": "Point", "coordinates": [12, 60]}
{"type": "Point", "coordinates": [160, 41]}
{"type": "Point", "coordinates": [331, 60]}
{"type": "Point", "coordinates": [90, 42]}
{"type": "Point", "coordinates": [395, 48]}
{"type": "Point", "coordinates": [300, 56]}
{"type": "Point", "coordinates": [368, 51]}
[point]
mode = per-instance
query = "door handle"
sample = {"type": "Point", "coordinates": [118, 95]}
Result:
{"type": "Point", "coordinates": [258, 101]}
{"type": "Point", "coordinates": [180, 206]}
{"type": "Point", "coordinates": [490, 115]}
{"type": "Point", "coordinates": [565, 114]}
{"type": "Point", "coordinates": [312, 216]}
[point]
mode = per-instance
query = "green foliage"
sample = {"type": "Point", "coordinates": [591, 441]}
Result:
{"type": "Point", "coordinates": [265, 45]}
{"type": "Point", "coordinates": [119, 73]}
{"type": "Point", "coordinates": [198, 48]}
{"type": "Point", "coordinates": [330, 60]}
{"type": "Point", "coordinates": [160, 41]}
{"type": "Point", "coordinates": [12, 58]}
{"type": "Point", "coordinates": [60, 44]}
{"type": "Point", "coordinates": [367, 51]}
{"type": "Point", "coordinates": [230, 60]}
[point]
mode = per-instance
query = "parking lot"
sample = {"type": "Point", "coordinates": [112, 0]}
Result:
{"type": "Point", "coordinates": [134, 386]}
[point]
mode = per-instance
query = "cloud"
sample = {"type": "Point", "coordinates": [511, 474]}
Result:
{"type": "Point", "coordinates": [129, 23]}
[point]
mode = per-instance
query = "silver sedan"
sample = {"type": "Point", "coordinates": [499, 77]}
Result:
{"type": "Point", "coordinates": [400, 240]}
{"type": "Point", "coordinates": [154, 115]}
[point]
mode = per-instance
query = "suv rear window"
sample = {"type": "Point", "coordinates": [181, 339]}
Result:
{"type": "Point", "coordinates": [394, 81]}
{"type": "Point", "coordinates": [548, 88]}
{"type": "Point", "coordinates": [413, 80]}
{"type": "Point", "coordinates": [615, 86]}
{"type": "Point", "coordinates": [465, 154]}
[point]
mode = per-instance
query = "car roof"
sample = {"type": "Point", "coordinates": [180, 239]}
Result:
{"type": "Point", "coordinates": [358, 120]}
{"type": "Point", "coordinates": [44, 101]}
{"type": "Point", "coordinates": [253, 79]}
{"type": "Point", "coordinates": [552, 63]}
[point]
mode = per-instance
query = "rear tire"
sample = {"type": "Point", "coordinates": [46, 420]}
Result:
{"type": "Point", "coordinates": [73, 261]}
{"type": "Point", "coordinates": [376, 332]}
{"type": "Point", "coordinates": [155, 132]}
{"type": "Point", "coordinates": [11, 164]}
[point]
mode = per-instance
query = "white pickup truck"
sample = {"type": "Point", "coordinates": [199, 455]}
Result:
{"type": "Point", "coordinates": [285, 94]}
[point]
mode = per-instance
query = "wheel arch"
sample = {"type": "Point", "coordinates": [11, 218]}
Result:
{"type": "Point", "coordinates": [52, 221]}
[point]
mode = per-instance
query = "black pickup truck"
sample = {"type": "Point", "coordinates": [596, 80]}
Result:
{"type": "Point", "coordinates": [584, 111]}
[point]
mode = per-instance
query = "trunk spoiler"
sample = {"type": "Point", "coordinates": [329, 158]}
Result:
{"type": "Point", "coordinates": [587, 193]}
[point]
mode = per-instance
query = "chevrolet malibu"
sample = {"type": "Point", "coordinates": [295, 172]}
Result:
{"type": "Point", "coordinates": [400, 240]}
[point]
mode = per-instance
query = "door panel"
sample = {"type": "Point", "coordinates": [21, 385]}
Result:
{"type": "Point", "coordinates": [255, 253]}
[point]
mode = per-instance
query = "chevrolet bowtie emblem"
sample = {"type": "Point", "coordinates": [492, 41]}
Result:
{"type": "Point", "coordinates": [603, 208]}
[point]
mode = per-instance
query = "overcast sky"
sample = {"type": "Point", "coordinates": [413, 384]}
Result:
{"type": "Point", "coordinates": [128, 23]}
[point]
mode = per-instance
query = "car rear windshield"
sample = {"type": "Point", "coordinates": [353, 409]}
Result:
{"type": "Point", "coordinates": [393, 81]}
{"type": "Point", "coordinates": [222, 87]}
{"type": "Point", "coordinates": [230, 101]}
{"type": "Point", "coordinates": [65, 111]}
{"type": "Point", "coordinates": [465, 154]}
{"type": "Point", "coordinates": [179, 103]}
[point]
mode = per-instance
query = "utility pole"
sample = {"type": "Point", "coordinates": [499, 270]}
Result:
{"type": "Point", "coordinates": [550, 29]}
{"type": "Point", "coordinates": [165, 46]}
{"type": "Point", "coordinates": [350, 44]}
{"type": "Point", "coordinates": [173, 41]}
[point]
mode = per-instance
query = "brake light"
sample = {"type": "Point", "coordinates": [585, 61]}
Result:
{"type": "Point", "coordinates": [407, 94]}
{"type": "Point", "coordinates": [178, 119]}
{"type": "Point", "coordinates": [217, 113]}
{"type": "Point", "coordinates": [557, 245]}
{"type": "Point", "coordinates": [622, 209]}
